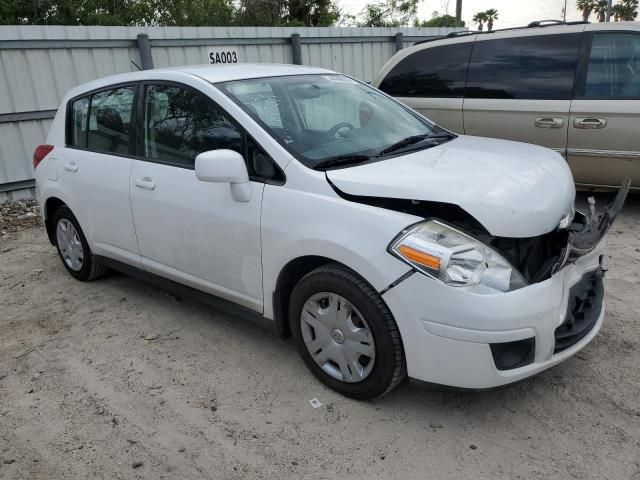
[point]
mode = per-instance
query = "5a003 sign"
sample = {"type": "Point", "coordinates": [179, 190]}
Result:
{"type": "Point", "coordinates": [223, 55]}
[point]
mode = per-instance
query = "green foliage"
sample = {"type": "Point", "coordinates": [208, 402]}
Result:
{"type": "Point", "coordinates": [488, 17]}
{"type": "Point", "coordinates": [441, 21]}
{"type": "Point", "coordinates": [389, 13]}
{"type": "Point", "coordinates": [310, 13]}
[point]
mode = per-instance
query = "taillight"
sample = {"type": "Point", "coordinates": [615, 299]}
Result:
{"type": "Point", "coordinates": [40, 152]}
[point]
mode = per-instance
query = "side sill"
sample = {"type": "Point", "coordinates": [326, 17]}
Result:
{"type": "Point", "coordinates": [219, 304]}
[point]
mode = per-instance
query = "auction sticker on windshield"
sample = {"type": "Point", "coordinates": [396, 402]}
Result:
{"type": "Point", "coordinates": [223, 55]}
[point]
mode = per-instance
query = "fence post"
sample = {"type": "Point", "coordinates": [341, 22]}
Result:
{"type": "Point", "coordinates": [144, 47]}
{"type": "Point", "coordinates": [399, 41]}
{"type": "Point", "coordinates": [296, 51]}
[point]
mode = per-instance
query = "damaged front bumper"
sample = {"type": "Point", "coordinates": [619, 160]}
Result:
{"type": "Point", "coordinates": [588, 229]}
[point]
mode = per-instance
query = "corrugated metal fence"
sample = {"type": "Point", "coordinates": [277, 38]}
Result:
{"type": "Point", "coordinates": [39, 64]}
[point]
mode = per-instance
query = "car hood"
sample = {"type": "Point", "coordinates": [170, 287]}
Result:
{"type": "Point", "coordinates": [513, 189]}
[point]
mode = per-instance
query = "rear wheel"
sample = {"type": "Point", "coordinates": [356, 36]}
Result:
{"type": "Point", "coordinates": [73, 248]}
{"type": "Point", "coordinates": [345, 333]}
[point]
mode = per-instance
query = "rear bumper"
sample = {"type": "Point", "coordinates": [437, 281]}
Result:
{"type": "Point", "coordinates": [447, 332]}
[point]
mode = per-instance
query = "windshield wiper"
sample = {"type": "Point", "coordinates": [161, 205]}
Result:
{"type": "Point", "coordinates": [341, 160]}
{"type": "Point", "coordinates": [405, 142]}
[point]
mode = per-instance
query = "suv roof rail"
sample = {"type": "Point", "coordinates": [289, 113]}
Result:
{"type": "Point", "coordinates": [535, 24]}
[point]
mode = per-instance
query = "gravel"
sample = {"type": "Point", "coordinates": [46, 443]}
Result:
{"type": "Point", "coordinates": [18, 215]}
{"type": "Point", "coordinates": [580, 419]}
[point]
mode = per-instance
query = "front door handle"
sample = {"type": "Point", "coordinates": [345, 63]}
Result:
{"type": "Point", "coordinates": [71, 167]}
{"type": "Point", "coordinates": [549, 122]}
{"type": "Point", "coordinates": [589, 122]}
{"type": "Point", "coordinates": [145, 183]}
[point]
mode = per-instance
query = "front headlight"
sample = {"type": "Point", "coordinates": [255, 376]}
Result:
{"type": "Point", "coordinates": [455, 258]}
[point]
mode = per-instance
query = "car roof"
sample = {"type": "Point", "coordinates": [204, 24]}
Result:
{"type": "Point", "coordinates": [209, 73]}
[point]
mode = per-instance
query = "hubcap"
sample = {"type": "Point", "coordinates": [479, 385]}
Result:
{"type": "Point", "coordinates": [337, 337]}
{"type": "Point", "coordinates": [69, 245]}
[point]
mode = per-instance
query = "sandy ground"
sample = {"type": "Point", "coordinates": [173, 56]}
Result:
{"type": "Point", "coordinates": [118, 379]}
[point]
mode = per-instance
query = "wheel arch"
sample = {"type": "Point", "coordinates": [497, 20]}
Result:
{"type": "Point", "coordinates": [51, 205]}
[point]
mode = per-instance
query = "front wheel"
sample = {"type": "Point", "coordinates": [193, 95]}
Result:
{"type": "Point", "coordinates": [345, 333]}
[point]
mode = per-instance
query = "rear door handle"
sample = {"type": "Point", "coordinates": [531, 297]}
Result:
{"type": "Point", "coordinates": [145, 182]}
{"type": "Point", "coordinates": [71, 166]}
{"type": "Point", "coordinates": [549, 122]}
{"type": "Point", "coordinates": [589, 122]}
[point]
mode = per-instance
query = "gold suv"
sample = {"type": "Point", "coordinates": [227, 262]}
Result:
{"type": "Point", "coordinates": [572, 87]}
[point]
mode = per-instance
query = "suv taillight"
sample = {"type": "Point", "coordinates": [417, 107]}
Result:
{"type": "Point", "coordinates": [40, 152]}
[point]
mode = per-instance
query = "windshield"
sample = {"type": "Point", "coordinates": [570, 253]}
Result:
{"type": "Point", "coordinates": [332, 120]}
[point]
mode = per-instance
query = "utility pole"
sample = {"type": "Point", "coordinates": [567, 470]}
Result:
{"type": "Point", "coordinates": [608, 14]}
{"type": "Point", "coordinates": [564, 12]}
{"type": "Point", "coordinates": [458, 10]}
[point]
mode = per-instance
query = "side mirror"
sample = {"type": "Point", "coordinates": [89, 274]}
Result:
{"type": "Point", "coordinates": [225, 166]}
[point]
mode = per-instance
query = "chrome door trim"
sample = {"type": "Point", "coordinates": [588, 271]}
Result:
{"type": "Point", "coordinates": [623, 154]}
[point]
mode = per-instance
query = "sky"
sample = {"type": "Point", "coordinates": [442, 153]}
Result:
{"type": "Point", "coordinates": [512, 13]}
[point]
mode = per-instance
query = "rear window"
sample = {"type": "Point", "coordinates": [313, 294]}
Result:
{"type": "Point", "coordinates": [614, 66]}
{"type": "Point", "coordinates": [109, 126]}
{"type": "Point", "coordinates": [537, 67]}
{"type": "Point", "coordinates": [432, 72]}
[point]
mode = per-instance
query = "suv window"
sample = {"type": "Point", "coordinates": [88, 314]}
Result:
{"type": "Point", "coordinates": [537, 67]}
{"type": "Point", "coordinates": [432, 72]}
{"type": "Point", "coordinates": [179, 124]}
{"type": "Point", "coordinates": [110, 120]}
{"type": "Point", "coordinates": [614, 66]}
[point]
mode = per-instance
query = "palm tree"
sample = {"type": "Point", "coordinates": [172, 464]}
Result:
{"type": "Point", "coordinates": [625, 11]}
{"type": "Point", "coordinates": [480, 18]}
{"type": "Point", "coordinates": [586, 7]}
{"type": "Point", "coordinates": [459, 10]}
{"type": "Point", "coordinates": [491, 15]}
{"type": "Point", "coordinates": [600, 9]}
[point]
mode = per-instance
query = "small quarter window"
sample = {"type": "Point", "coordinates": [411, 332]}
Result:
{"type": "Point", "coordinates": [110, 120]}
{"type": "Point", "coordinates": [79, 113]}
{"type": "Point", "coordinates": [614, 66]}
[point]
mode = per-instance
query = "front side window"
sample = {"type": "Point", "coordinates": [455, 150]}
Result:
{"type": "Point", "coordinates": [321, 118]}
{"type": "Point", "coordinates": [432, 72]}
{"type": "Point", "coordinates": [537, 67]}
{"type": "Point", "coordinates": [180, 123]}
{"type": "Point", "coordinates": [614, 66]}
{"type": "Point", "coordinates": [110, 120]}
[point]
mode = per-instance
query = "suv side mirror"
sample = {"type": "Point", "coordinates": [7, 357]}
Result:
{"type": "Point", "coordinates": [225, 166]}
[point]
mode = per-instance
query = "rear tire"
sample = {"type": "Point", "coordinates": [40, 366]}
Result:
{"type": "Point", "coordinates": [73, 248]}
{"type": "Point", "coordinates": [345, 333]}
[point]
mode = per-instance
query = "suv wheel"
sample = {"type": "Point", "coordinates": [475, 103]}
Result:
{"type": "Point", "coordinates": [345, 333]}
{"type": "Point", "coordinates": [73, 248]}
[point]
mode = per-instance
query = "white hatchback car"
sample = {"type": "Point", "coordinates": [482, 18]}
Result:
{"type": "Point", "coordinates": [384, 244]}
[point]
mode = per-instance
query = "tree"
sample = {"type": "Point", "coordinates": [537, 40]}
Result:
{"type": "Point", "coordinates": [600, 9]}
{"type": "Point", "coordinates": [440, 21]}
{"type": "Point", "coordinates": [480, 18]}
{"type": "Point", "coordinates": [586, 7]}
{"type": "Point", "coordinates": [491, 15]}
{"type": "Point", "coordinates": [625, 11]}
{"type": "Point", "coordinates": [388, 13]}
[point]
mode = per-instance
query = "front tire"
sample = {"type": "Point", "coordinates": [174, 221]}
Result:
{"type": "Point", "coordinates": [345, 333]}
{"type": "Point", "coordinates": [73, 248]}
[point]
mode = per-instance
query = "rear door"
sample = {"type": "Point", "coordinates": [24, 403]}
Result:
{"type": "Point", "coordinates": [519, 87]}
{"type": "Point", "coordinates": [96, 167]}
{"type": "Point", "coordinates": [431, 80]}
{"type": "Point", "coordinates": [604, 128]}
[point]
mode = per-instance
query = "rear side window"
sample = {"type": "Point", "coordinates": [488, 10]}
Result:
{"type": "Point", "coordinates": [79, 117]}
{"type": "Point", "coordinates": [538, 67]}
{"type": "Point", "coordinates": [614, 66]}
{"type": "Point", "coordinates": [110, 120]}
{"type": "Point", "coordinates": [179, 124]}
{"type": "Point", "coordinates": [432, 72]}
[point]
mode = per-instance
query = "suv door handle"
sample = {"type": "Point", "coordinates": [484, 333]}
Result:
{"type": "Point", "coordinates": [589, 122]}
{"type": "Point", "coordinates": [145, 182]}
{"type": "Point", "coordinates": [71, 166]}
{"type": "Point", "coordinates": [549, 122]}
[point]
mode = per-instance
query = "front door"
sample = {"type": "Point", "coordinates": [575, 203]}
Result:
{"type": "Point", "coordinates": [604, 140]}
{"type": "Point", "coordinates": [190, 231]}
